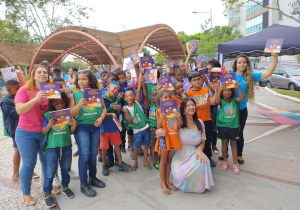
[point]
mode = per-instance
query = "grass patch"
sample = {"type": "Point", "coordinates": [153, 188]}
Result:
{"type": "Point", "coordinates": [295, 94]}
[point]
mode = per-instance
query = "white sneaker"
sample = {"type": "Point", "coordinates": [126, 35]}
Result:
{"type": "Point", "coordinates": [56, 182]}
{"type": "Point", "coordinates": [73, 175]}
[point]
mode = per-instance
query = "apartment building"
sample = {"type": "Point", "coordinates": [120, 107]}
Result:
{"type": "Point", "coordinates": [251, 18]}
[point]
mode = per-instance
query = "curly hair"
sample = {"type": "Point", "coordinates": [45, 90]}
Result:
{"type": "Point", "coordinates": [51, 102]}
{"type": "Point", "coordinates": [248, 76]}
{"type": "Point", "coordinates": [183, 106]}
{"type": "Point", "coordinates": [233, 93]}
{"type": "Point", "coordinates": [92, 79]}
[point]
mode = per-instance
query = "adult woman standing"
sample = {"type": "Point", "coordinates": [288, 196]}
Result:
{"type": "Point", "coordinates": [190, 167]}
{"type": "Point", "coordinates": [247, 79]}
{"type": "Point", "coordinates": [31, 104]}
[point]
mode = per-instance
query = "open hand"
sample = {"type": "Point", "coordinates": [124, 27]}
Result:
{"type": "Point", "coordinates": [200, 156]}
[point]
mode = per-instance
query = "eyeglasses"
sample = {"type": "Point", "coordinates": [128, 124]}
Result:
{"type": "Point", "coordinates": [196, 80]}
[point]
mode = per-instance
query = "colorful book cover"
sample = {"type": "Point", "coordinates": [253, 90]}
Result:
{"type": "Point", "coordinates": [203, 72]}
{"type": "Point", "coordinates": [93, 96]}
{"type": "Point", "coordinates": [192, 46]}
{"type": "Point", "coordinates": [150, 75]}
{"type": "Point", "coordinates": [198, 59]}
{"type": "Point", "coordinates": [118, 123]}
{"type": "Point", "coordinates": [169, 107]}
{"type": "Point", "coordinates": [53, 89]}
{"type": "Point", "coordinates": [9, 73]}
{"type": "Point", "coordinates": [200, 99]}
{"type": "Point", "coordinates": [214, 78]}
{"type": "Point", "coordinates": [63, 116]}
{"type": "Point", "coordinates": [166, 82]}
{"type": "Point", "coordinates": [229, 79]}
{"type": "Point", "coordinates": [274, 45]}
{"type": "Point", "coordinates": [134, 56]}
{"type": "Point", "coordinates": [172, 63]}
{"type": "Point", "coordinates": [147, 62]}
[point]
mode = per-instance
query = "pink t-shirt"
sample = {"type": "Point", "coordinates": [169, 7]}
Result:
{"type": "Point", "coordinates": [33, 119]}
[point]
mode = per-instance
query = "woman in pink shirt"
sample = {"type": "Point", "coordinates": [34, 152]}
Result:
{"type": "Point", "coordinates": [31, 104]}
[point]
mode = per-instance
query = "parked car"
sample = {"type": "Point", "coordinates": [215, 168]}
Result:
{"type": "Point", "coordinates": [287, 78]}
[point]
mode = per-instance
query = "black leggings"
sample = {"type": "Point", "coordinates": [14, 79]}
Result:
{"type": "Point", "coordinates": [240, 143]}
{"type": "Point", "coordinates": [209, 136]}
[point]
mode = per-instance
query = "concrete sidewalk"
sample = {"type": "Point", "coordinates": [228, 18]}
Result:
{"type": "Point", "coordinates": [269, 179]}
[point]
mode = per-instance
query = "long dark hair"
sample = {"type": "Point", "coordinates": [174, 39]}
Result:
{"type": "Point", "coordinates": [65, 99]}
{"type": "Point", "coordinates": [92, 79]}
{"type": "Point", "coordinates": [195, 118]}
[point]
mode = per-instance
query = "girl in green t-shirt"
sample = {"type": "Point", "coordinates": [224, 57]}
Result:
{"type": "Point", "coordinates": [228, 121]}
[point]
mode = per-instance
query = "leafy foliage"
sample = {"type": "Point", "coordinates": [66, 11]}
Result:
{"type": "Point", "coordinates": [146, 52]}
{"type": "Point", "coordinates": [158, 58]}
{"type": "Point", "coordinates": [65, 66]}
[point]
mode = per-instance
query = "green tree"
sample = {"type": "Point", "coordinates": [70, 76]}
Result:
{"type": "Point", "coordinates": [158, 58]}
{"type": "Point", "coordinates": [146, 51]}
{"type": "Point", "coordinates": [44, 16]}
{"type": "Point", "coordinates": [230, 4]}
{"type": "Point", "coordinates": [298, 58]}
{"type": "Point", "coordinates": [65, 66]}
{"type": "Point", "coordinates": [211, 38]}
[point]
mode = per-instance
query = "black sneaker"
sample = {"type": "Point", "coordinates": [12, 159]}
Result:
{"type": "Point", "coordinates": [105, 171]}
{"type": "Point", "coordinates": [221, 157]}
{"type": "Point", "coordinates": [212, 163]}
{"type": "Point", "coordinates": [123, 150]}
{"type": "Point", "coordinates": [76, 153]}
{"type": "Point", "coordinates": [96, 182]}
{"type": "Point", "coordinates": [110, 164]}
{"type": "Point", "coordinates": [241, 161]}
{"type": "Point", "coordinates": [68, 193]}
{"type": "Point", "coordinates": [49, 201]}
{"type": "Point", "coordinates": [117, 163]}
{"type": "Point", "coordinates": [100, 159]}
{"type": "Point", "coordinates": [124, 167]}
{"type": "Point", "coordinates": [215, 150]}
{"type": "Point", "coordinates": [88, 191]}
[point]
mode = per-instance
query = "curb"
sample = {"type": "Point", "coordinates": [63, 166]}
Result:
{"type": "Point", "coordinates": [283, 96]}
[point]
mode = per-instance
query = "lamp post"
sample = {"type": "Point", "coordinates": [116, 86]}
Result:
{"type": "Point", "coordinates": [210, 17]}
{"type": "Point", "coordinates": [124, 27]}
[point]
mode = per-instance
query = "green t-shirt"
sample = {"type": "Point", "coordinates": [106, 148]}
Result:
{"type": "Point", "coordinates": [58, 136]}
{"type": "Point", "coordinates": [152, 114]}
{"type": "Point", "coordinates": [87, 114]}
{"type": "Point", "coordinates": [139, 119]}
{"type": "Point", "coordinates": [228, 115]}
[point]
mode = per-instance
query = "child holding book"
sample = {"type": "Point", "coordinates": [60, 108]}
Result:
{"type": "Point", "coordinates": [10, 121]}
{"type": "Point", "coordinates": [109, 131]}
{"type": "Point", "coordinates": [167, 145]}
{"type": "Point", "coordinates": [57, 147]}
{"type": "Point", "coordinates": [135, 118]}
{"type": "Point", "coordinates": [228, 122]}
{"type": "Point", "coordinates": [178, 75]}
{"type": "Point", "coordinates": [87, 132]}
{"type": "Point", "coordinates": [178, 92]}
{"type": "Point", "coordinates": [202, 97]}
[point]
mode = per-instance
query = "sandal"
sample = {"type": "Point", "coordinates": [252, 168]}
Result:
{"type": "Point", "coordinates": [148, 167]}
{"type": "Point", "coordinates": [225, 166]}
{"type": "Point", "coordinates": [166, 190]}
{"type": "Point", "coordinates": [31, 203]}
{"type": "Point", "coordinates": [156, 166]}
{"type": "Point", "coordinates": [236, 169]}
{"type": "Point", "coordinates": [132, 157]}
{"type": "Point", "coordinates": [221, 157]}
{"type": "Point", "coordinates": [141, 154]}
{"type": "Point", "coordinates": [133, 168]}
{"type": "Point", "coordinates": [173, 188]}
{"type": "Point", "coordinates": [240, 160]}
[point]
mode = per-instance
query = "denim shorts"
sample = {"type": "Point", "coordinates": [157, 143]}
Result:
{"type": "Point", "coordinates": [141, 138]}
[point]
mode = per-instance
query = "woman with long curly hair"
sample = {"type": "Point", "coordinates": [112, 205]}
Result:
{"type": "Point", "coordinates": [247, 79]}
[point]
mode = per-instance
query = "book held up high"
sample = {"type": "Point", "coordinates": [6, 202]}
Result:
{"type": "Point", "coordinates": [9, 73]}
{"type": "Point", "coordinates": [273, 45]}
{"type": "Point", "coordinates": [229, 79]}
{"type": "Point", "coordinates": [172, 63]}
{"type": "Point", "coordinates": [192, 46]}
{"type": "Point", "coordinates": [166, 82]}
{"type": "Point", "coordinates": [52, 89]}
{"type": "Point", "coordinates": [214, 78]}
{"type": "Point", "coordinates": [150, 75]}
{"type": "Point", "coordinates": [93, 96]}
{"type": "Point", "coordinates": [147, 62]}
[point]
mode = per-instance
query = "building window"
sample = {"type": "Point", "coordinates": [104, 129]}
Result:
{"type": "Point", "coordinates": [253, 7]}
{"type": "Point", "coordinates": [254, 24]}
{"type": "Point", "coordinates": [280, 16]}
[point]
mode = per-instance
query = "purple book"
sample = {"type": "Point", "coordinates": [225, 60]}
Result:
{"type": "Point", "coordinates": [134, 56]}
{"type": "Point", "coordinates": [147, 62]}
{"type": "Point", "coordinates": [198, 59]}
{"type": "Point", "coordinates": [214, 78]}
{"type": "Point", "coordinates": [203, 72]}
{"type": "Point", "coordinates": [93, 96]}
{"type": "Point", "coordinates": [172, 63]}
{"type": "Point", "coordinates": [229, 79]}
{"type": "Point", "coordinates": [119, 125]}
{"type": "Point", "coordinates": [169, 107]}
{"type": "Point", "coordinates": [9, 73]}
{"type": "Point", "coordinates": [53, 89]}
{"type": "Point", "coordinates": [166, 82]}
{"type": "Point", "coordinates": [63, 116]}
{"type": "Point", "coordinates": [273, 45]}
{"type": "Point", "coordinates": [192, 46]}
{"type": "Point", "coordinates": [150, 75]}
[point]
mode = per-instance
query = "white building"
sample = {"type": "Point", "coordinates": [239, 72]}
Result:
{"type": "Point", "coordinates": [251, 18]}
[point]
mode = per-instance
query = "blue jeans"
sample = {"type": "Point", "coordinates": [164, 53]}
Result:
{"type": "Point", "coordinates": [63, 155]}
{"type": "Point", "coordinates": [213, 113]}
{"type": "Point", "coordinates": [141, 138]}
{"type": "Point", "coordinates": [29, 144]}
{"type": "Point", "coordinates": [87, 137]}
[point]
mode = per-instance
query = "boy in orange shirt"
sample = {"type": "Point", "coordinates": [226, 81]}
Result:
{"type": "Point", "coordinates": [202, 97]}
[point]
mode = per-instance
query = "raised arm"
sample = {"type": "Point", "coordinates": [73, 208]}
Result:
{"type": "Point", "coordinates": [218, 94]}
{"type": "Point", "coordinates": [187, 66]}
{"type": "Point", "coordinates": [138, 94]}
{"type": "Point", "coordinates": [271, 68]}
{"type": "Point", "coordinates": [241, 98]}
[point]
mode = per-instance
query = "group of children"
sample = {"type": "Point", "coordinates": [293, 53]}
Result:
{"type": "Point", "coordinates": [138, 109]}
